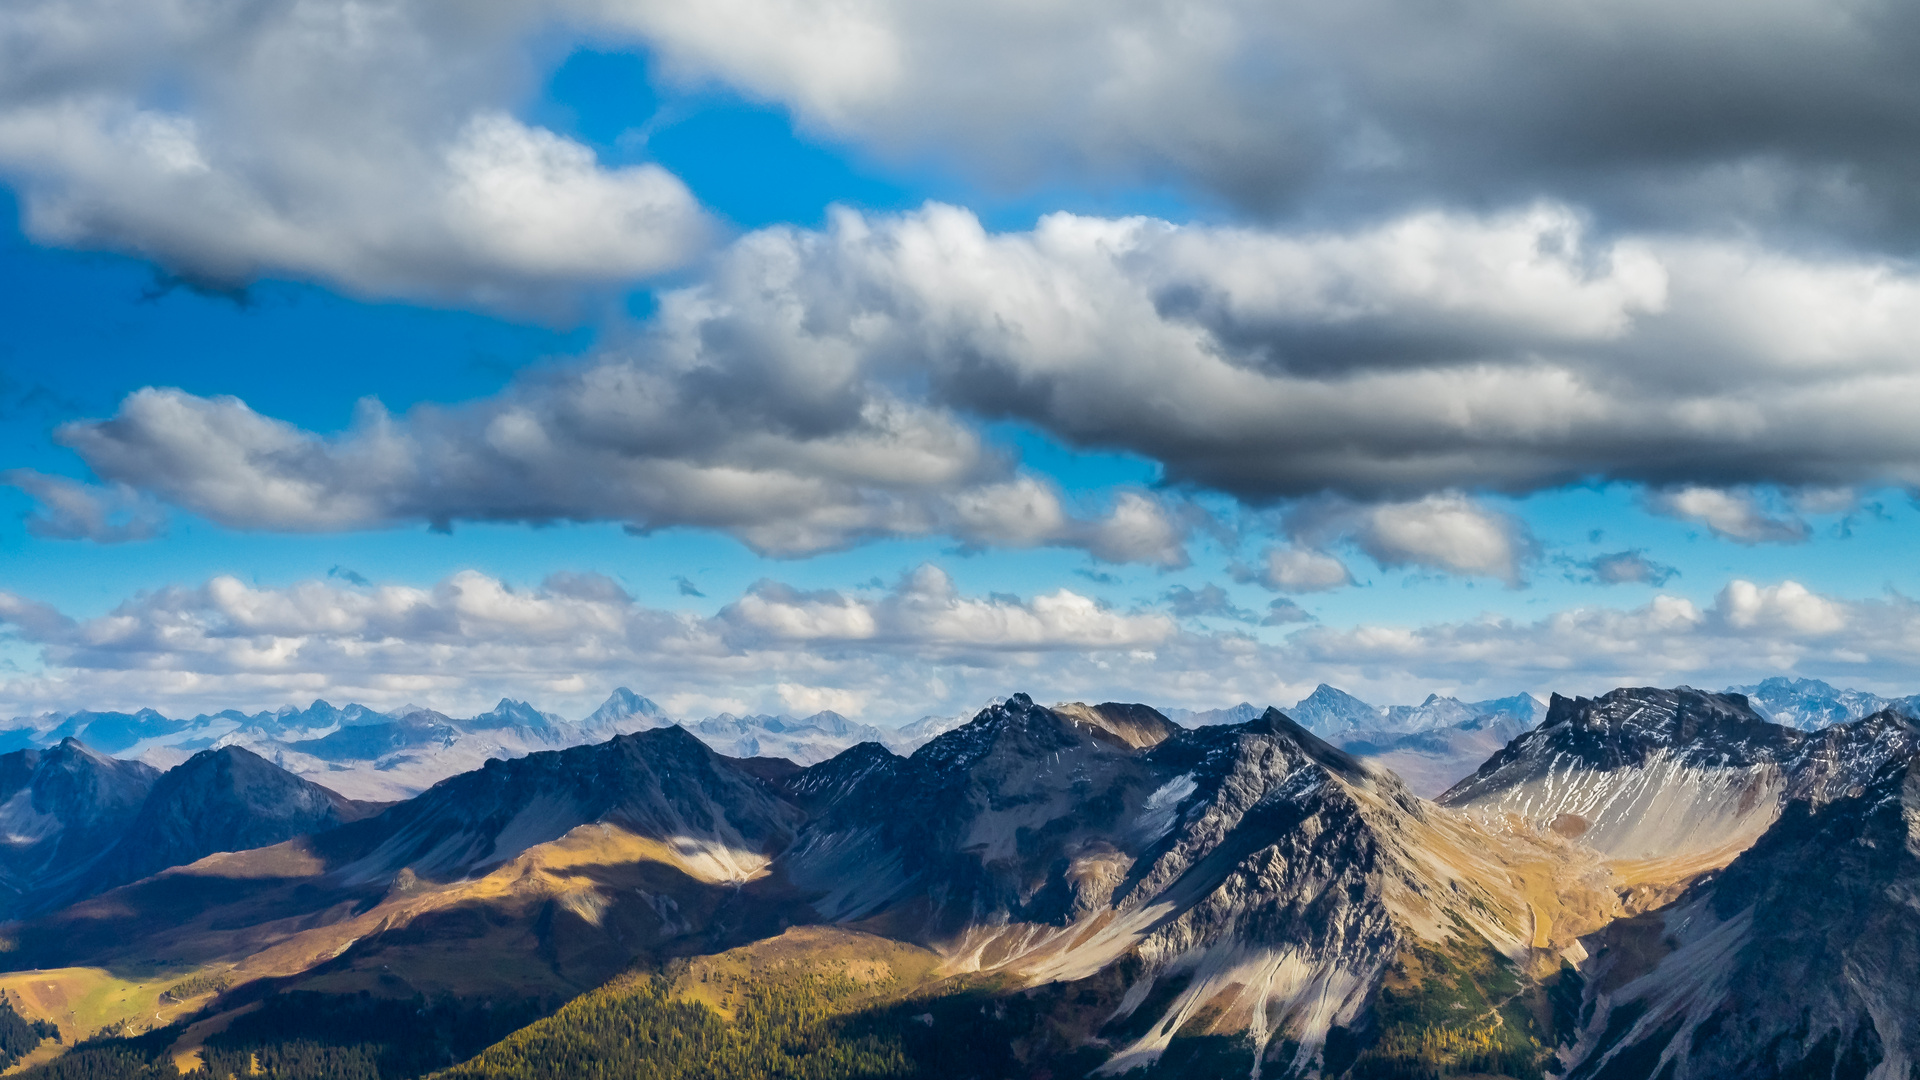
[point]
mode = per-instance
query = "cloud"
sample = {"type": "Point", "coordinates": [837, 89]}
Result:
{"type": "Point", "coordinates": [826, 466]}
{"type": "Point", "coordinates": [807, 700]}
{"type": "Point", "coordinates": [1788, 115]}
{"type": "Point", "coordinates": [362, 145]}
{"type": "Point", "coordinates": [917, 647]}
{"type": "Point", "coordinates": [1283, 612]}
{"type": "Point", "coordinates": [472, 638]}
{"type": "Point", "coordinates": [687, 588]}
{"type": "Point", "coordinates": [1630, 567]}
{"type": "Point", "coordinates": [1208, 601]}
{"type": "Point", "coordinates": [70, 510]}
{"type": "Point", "coordinates": [926, 611]}
{"type": "Point", "coordinates": [1294, 569]}
{"type": "Point", "coordinates": [351, 577]}
{"type": "Point", "coordinates": [817, 388]}
{"type": "Point", "coordinates": [1787, 606]}
{"type": "Point", "coordinates": [368, 144]}
{"type": "Point", "coordinates": [1447, 532]}
{"type": "Point", "coordinates": [1510, 351]}
{"type": "Point", "coordinates": [1731, 515]}
{"type": "Point", "coordinates": [1750, 630]}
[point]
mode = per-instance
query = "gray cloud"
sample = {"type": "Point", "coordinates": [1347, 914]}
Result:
{"type": "Point", "coordinates": [1788, 113]}
{"type": "Point", "coordinates": [831, 463]}
{"type": "Point", "coordinates": [1797, 374]}
{"type": "Point", "coordinates": [70, 510]}
{"type": "Point", "coordinates": [686, 587]}
{"type": "Point", "coordinates": [1630, 567]}
{"type": "Point", "coordinates": [348, 575]}
{"type": "Point", "coordinates": [369, 146]}
{"type": "Point", "coordinates": [1284, 612]}
{"type": "Point", "coordinates": [817, 389]}
{"type": "Point", "coordinates": [1737, 515]}
{"type": "Point", "coordinates": [1208, 601]}
{"type": "Point", "coordinates": [1297, 569]}
{"type": "Point", "coordinates": [1447, 532]}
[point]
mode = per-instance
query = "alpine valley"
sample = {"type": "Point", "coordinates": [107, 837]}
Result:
{"type": "Point", "coordinates": [1654, 884]}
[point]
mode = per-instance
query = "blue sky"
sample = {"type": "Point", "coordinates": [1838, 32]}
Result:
{"type": "Point", "coordinates": [790, 319]}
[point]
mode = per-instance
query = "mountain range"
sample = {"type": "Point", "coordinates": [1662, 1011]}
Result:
{"type": "Point", "coordinates": [383, 756]}
{"type": "Point", "coordinates": [1650, 883]}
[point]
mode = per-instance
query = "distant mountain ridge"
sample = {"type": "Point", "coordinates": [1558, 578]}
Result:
{"type": "Point", "coordinates": [372, 755]}
{"type": "Point", "coordinates": [1430, 745]}
{"type": "Point", "coordinates": [378, 756]}
{"type": "Point", "coordinates": [1810, 704]}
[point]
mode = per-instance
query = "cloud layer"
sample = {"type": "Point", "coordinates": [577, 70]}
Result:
{"type": "Point", "coordinates": [919, 646]}
{"type": "Point", "coordinates": [1793, 113]}
{"type": "Point", "coordinates": [371, 144]}
{"type": "Point", "coordinates": [817, 388]}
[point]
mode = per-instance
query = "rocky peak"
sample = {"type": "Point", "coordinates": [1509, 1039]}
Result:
{"type": "Point", "coordinates": [1135, 726]}
{"type": "Point", "coordinates": [661, 783]}
{"type": "Point", "coordinates": [867, 764]}
{"type": "Point", "coordinates": [1840, 760]}
{"type": "Point", "coordinates": [229, 799]}
{"type": "Point", "coordinates": [511, 713]}
{"type": "Point", "coordinates": [1625, 728]}
{"type": "Point", "coordinates": [1810, 704]}
{"type": "Point", "coordinates": [1015, 727]}
{"type": "Point", "coordinates": [74, 782]}
{"type": "Point", "coordinates": [1329, 710]}
{"type": "Point", "coordinates": [621, 706]}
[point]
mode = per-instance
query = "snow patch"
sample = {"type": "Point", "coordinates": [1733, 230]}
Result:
{"type": "Point", "coordinates": [1162, 808]}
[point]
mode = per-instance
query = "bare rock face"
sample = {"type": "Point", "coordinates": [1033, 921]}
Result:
{"type": "Point", "coordinates": [1250, 886]}
{"type": "Point", "coordinates": [1648, 774]}
{"type": "Point", "coordinates": [1799, 960]}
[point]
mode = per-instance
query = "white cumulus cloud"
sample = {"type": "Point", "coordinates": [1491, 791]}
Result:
{"type": "Point", "coordinates": [366, 145]}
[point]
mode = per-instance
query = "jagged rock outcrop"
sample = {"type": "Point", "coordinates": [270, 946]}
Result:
{"type": "Point", "coordinates": [1254, 883]}
{"type": "Point", "coordinates": [1651, 774]}
{"type": "Point", "coordinates": [1799, 960]}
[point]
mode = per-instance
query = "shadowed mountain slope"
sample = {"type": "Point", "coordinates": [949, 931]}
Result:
{"type": "Point", "coordinates": [61, 810]}
{"type": "Point", "coordinates": [1799, 960]}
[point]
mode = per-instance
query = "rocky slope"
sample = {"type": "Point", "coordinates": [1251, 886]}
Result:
{"type": "Point", "coordinates": [1681, 776]}
{"type": "Point", "coordinates": [228, 799]}
{"type": "Point", "coordinates": [662, 784]}
{"type": "Point", "coordinates": [61, 810]}
{"type": "Point", "coordinates": [1101, 890]}
{"type": "Point", "coordinates": [1249, 884]}
{"type": "Point", "coordinates": [1799, 960]}
{"type": "Point", "coordinates": [79, 823]}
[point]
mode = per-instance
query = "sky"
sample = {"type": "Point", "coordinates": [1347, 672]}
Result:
{"type": "Point", "coordinates": [890, 357]}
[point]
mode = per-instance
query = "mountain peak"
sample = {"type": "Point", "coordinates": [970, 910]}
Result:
{"type": "Point", "coordinates": [1642, 772]}
{"type": "Point", "coordinates": [623, 706]}
{"type": "Point", "coordinates": [1329, 710]}
{"type": "Point", "coordinates": [1138, 726]}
